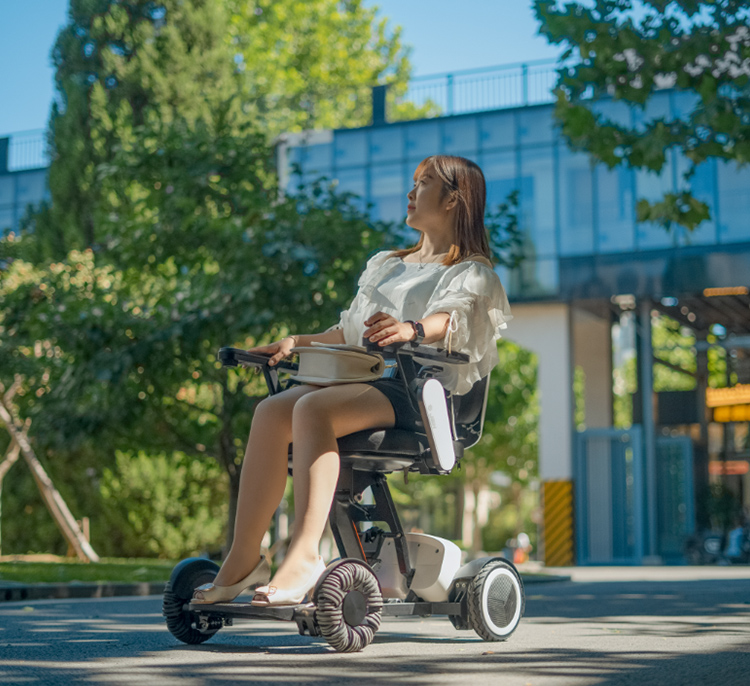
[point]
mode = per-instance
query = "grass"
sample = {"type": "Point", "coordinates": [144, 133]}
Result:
{"type": "Point", "coordinates": [115, 570]}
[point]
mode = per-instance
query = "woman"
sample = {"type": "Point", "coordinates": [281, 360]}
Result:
{"type": "Point", "coordinates": [443, 288]}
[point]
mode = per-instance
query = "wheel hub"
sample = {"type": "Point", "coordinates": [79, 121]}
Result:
{"type": "Point", "coordinates": [354, 608]}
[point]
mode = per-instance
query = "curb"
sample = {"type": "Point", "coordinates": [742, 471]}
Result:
{"type": "Point", "coordinates": [20, 592]}
{"type": "Point", "coordinates": [16, 592]}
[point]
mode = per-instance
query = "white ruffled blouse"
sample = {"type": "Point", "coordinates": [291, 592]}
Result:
{"type": "Point", "coordinates": [469, 291]}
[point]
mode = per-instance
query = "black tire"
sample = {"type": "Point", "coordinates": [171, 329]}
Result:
{"type": "Point", "coordinates": [496, 601]}
{"type": "Point", "coordinates": [186, 577]}
{"type": "Point", "coordinates": [349, 606]}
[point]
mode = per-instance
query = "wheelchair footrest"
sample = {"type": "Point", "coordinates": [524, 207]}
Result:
{"type": "Point", "coordinates": [421, 609]}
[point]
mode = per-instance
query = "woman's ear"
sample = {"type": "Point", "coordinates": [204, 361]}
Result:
{"type": "Point", "coordinates": [452, 201]}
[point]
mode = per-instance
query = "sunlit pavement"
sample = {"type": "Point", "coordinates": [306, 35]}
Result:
{"type": "Point", "coordinates": [666, 626]}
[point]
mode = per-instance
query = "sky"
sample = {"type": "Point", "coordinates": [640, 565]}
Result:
{"type": "Point", "coordinates": [445, 35]}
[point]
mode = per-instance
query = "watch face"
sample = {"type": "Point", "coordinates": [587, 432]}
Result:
{"type": "Point", "coordinates": [420, 332]}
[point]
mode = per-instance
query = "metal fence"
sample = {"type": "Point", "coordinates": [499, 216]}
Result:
{"type": "Point", "coordinates": [474, 90]}
{"type": "Point", "coordinates": [24, 150]}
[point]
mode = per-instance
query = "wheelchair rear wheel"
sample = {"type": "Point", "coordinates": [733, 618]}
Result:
{"type": "Point", "coordinates": [186, 577]}
{"type": "Point", "coordinates": [349, 606]}
{"type": "Point", "coordinates": [496, 601]}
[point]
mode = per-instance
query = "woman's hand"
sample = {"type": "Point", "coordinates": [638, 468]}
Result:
{"type": "Point", "coordinates": [278, 351]}
{"type": "Point", "coordinates": [385, 329]}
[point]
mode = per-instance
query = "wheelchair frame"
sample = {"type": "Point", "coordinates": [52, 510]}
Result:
{"type": "Point", "coordinates": [347, 605]}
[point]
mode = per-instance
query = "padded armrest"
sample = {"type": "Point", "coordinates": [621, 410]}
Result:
{"type": "Point", "coordinates": [422, 352]}
{"type": "Point", "coordinates": [233, 357]}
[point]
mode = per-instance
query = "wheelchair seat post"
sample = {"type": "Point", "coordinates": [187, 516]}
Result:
{"type": "Point", "coordinates": [347, 512]}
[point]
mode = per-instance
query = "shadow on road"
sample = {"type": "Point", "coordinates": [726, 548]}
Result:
{"type": "Point", "coordinates": [597, 634]}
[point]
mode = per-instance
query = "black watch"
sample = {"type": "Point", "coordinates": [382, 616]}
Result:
{"type": "Point", "coordinates": [418, 332]}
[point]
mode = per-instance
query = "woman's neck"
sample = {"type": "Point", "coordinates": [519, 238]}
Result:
{"type": "Point", "coordinates": [438, 245]}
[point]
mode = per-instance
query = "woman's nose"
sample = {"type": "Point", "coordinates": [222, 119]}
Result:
{"type": "Point", "coordinates": [411, 195]}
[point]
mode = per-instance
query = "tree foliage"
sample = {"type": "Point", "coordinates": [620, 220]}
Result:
{"type": "Point", "coordinates": [628, 51]}
{"type": "Point", "coordinates": [311, 64]}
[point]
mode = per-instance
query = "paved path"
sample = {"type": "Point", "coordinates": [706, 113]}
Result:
{"type": "Point", "coordinates": [608, 629]}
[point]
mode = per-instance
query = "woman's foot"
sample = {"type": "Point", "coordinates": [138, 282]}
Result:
{"type": "Point", "coordinates": [275, 594]}
{"type": "Point", "coordinates": [211, 593]}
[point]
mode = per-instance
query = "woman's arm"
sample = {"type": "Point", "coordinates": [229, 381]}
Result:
{"type": "Point", "coordinates": [385, 329]}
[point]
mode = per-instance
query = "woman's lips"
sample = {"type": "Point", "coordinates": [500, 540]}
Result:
{"type": "Point", "coordinates": [410, 208]}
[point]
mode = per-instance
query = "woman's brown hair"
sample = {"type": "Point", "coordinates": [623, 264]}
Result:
{"type": "Point", "coordinates": [462, 179]}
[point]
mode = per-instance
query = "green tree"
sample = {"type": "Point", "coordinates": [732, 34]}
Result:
{"type": "Point", "coordinates": [509, 445]}
{"type": "Point", "coordinates": [114, 63]}
{"type": "Point", "coordinates": [311, 64]}
{"type": "Point", "coordinates": [627, 51]}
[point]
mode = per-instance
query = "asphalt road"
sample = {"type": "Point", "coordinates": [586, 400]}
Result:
{"type": "Point", "coordinates": [601, 630]}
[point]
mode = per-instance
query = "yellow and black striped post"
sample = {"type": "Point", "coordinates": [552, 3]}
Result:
{"type": "Point", "coordinates": [558, 523]}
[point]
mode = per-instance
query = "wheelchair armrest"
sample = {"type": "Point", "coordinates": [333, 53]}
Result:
{"type": "Point", "coordinates": [233, 357]}
{"type": "Point", "coordinates": [423, 352]}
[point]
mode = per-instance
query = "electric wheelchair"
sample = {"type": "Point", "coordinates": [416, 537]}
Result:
{"type": "Point", "coordinates": [381, 571]}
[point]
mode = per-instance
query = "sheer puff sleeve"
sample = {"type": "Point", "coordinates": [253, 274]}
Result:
{"type": "Point", "coordinates": [472, 294]}
{"type": "Point", "coordinates": [374, 272]}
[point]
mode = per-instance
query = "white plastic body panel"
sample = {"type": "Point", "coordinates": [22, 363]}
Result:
{"type": "Point", "coordinates": [436, 418]}
{"type": "Point", "coordinates": [435, 560]}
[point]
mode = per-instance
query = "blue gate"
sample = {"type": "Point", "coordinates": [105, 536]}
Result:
{"type": "Point", "coordinates": [612, 510]}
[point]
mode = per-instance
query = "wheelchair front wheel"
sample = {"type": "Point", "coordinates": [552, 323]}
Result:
{"type": "Point", "coordinates": [349, 606]}
{"type": "Point", "coordinates": [496, 601]}
{"type": "Point", "coordinates": [186, 577]}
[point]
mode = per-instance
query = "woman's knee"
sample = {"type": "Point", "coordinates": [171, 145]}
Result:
{"type": "Point", "coordinates": [276, 410]}
{"type": "Point", "coordinates": [310, 410]}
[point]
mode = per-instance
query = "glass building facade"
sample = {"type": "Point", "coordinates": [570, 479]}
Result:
{"type": "Point", "coordinates": [580, 233]}
{"type": "Point", "coordinates": [18, 189]}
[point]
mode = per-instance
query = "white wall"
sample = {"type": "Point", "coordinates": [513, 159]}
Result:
{"type": "Point", "coordinates": [545, 330]}
{"type": "Point", "coordinates": [592, 346]}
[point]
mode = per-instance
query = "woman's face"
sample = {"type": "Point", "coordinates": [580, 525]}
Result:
{"type": "Point", "coordinates": [427, 207]}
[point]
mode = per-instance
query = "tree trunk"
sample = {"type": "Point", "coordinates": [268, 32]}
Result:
{"type": "Point", "coordinates": [11, 456]}
{"type": "Point", "coordinates": [52, 498]}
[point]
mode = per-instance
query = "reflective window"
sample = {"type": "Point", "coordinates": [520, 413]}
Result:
{"type": "Point", "coordinates": [500, 175]}
{"type": "Point", "coordinates": [354, 181]}
{"type": "Point", "coordinates": [31, 187]}
{"type": "Point", "coordinates": [615, 209]}
{"type": "Point", "coordinates": [536, 125]}
{"type": "Point", "coordinates": [7, 189]}
{"type": "Point", "coordinates": [387, 193]}
{"type": "Point", "coordinates": [460, 136]}
{"type": "Point", "coordinates": [350, 148]}
{"type": "Point", "coordinates": [317, 158]}
{"type": "Point", "coordinates": [497, 130]}
{"type": "Point", "coordinates": [616, 111]}
{"type": "Point", "coordinates": [702, 186]}
{"type": "Point", "coordinates": [387, 144]}
{"type": "Point", "coordinates": [657, 107]}
{"type": "Point", "coordinates": [683, 103]}
{"type": "Point", "coordinates": [537, 205]}
{"type": "Point", "coordinates": [576, 204]}
{"type": "Point", "coordinates": [734, 202]}
{"type": "Point", "coordinates": [422, 140]}
{"type": "Point", "coordinates": [534, 278]}
{"type": "Point", "coordinates": [6, 220]}
{"type": "Point", "coordinates": [653, 187]}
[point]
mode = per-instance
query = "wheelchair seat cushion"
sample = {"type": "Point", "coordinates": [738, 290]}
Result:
{"type": "Point", "coordinates": [380, 449]}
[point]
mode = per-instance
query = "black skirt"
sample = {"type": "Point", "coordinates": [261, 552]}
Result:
{"type": "Point", "coordinates": [406, 416]}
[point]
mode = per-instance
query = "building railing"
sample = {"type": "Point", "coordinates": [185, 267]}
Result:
{"type": "Point", "coordinates": [458, 92]}
{"type": "Point", "coordinates": [23, 150]}
{"type": "Point", "coordinates": [491, 88]}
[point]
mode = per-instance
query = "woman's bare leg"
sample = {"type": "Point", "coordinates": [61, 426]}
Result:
{"type": "Point", "coordinates": [262, 481]}
{"type": "Point", "coordinates": [318, 420]}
